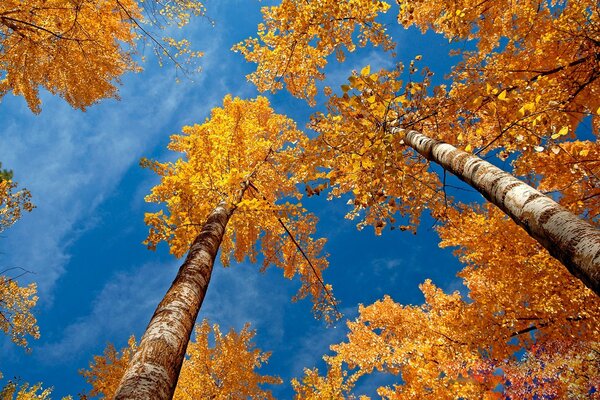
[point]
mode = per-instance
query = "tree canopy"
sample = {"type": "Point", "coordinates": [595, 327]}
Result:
{"type": "Point", "coordinates": [80, 49]}
{"type": "Point", "coordinates": [227, 368]}
{"type": "Point", "coordinates": [522, 95]}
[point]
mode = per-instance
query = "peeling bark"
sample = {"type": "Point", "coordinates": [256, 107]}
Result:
{"type": "Point", "coordinates": [155, 367]}
{"type": "Point", "coordinates": [571, 240]}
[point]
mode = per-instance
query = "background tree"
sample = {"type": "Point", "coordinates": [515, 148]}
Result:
{"type": "Point", "coordinates": [230, 191]}
{"type": "Point", "coordinates": [227, 369]}
{"type": "Point", "coordinates": [16, 319]}
{"type": "Point", "coordinates": [24, 392]}
{"type": "Point", "coordinates": [79, 49]}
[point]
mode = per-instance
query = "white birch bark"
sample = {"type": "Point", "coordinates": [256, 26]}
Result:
{"type": "Point", "coordinates": [571, 240]}
{"type": "Point", "coordinates": [154, 369]}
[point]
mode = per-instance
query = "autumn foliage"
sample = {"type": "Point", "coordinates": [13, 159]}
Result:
{"type": "Point", "coordinates": [80, 49]}
{"type": "Point", "coordinates": [296, 38]}
{"type": "Point", "coordinates": [524, 93]}
{"type": "Point", "coordinates": [16, 302]}
{"type": "Point", "coordinates": [452, 346]}
{"type": "Point", "coordinates": [226, 369]}
{"type": "Point", "coordinates": [250, 158]}
{"type": "Point", "coordinates": [527, 81]}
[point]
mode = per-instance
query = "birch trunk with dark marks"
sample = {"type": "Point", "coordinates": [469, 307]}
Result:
{"type": "Point", "coordinates": [569, 239]}
{"type": "Point", "coordinates": [154, 369]}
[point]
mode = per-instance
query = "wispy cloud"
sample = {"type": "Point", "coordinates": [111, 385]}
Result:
{"type": "Point", "coordinates": [72, 161]}
{"type": "Point", "coordinates": [121, 308]}
{"type": "Point", "coordinates": [315, 343]}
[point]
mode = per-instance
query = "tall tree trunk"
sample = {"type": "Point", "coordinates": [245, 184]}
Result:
{"type": "Point", "coordinates": [155, 367]}
{"type": "Point", "coordinates": [572, 241]}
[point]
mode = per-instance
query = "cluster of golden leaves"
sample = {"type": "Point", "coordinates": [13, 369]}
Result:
{"type": "Point", "coordinates": [75, 49]}
{"type": "Point", "coordinates": [510, 274]}
{"type": "Point", "coordinates": [225, 370]}
{"type": "Point", "coordinates": [25, 391]}
{"type": "Point", "coordinates": [78, 49]}
{"type": "Point", "coordinates": [532, 80]}
{"type": "Point", "coordinates": [365, 158]}
{"type": "Point", "coordinates": [16, 302]}
{"type": "Point", "coordinates": [12, 204]}
{"type": "Point", "coordinates": [337, 384]}
{"type": "Point", "coordinates": [248, 157]}
{"type": "Point", "coordinates": [106, 370]}
{"type": "Point", "coordinates": [570, 171]}
{"type": "Point", "coordinates": [297, 37]}
{"type": "Point", "coordinates": [542, 373]}
{"type": "Point", "coordinates": [524, 93]}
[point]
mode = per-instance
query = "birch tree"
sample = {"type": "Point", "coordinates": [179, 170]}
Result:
{"type": "Point", "coordinates": [517, 99]}
{"type": "Point", "coordinates": [231, 191]}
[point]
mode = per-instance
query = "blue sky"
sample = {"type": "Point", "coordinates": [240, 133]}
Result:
{"type": "Point", "coordinates": [99, 284]}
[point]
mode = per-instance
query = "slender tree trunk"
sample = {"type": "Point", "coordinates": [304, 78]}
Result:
{"type": "Point", "coordinates": [155, 367]}
{"type": "Point", "coordinates": [571, 240]}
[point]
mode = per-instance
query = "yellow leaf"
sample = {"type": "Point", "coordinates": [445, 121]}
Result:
{"type": "Point", "coordinates": [371, 99]}
{"type": "Point", "coordinates": [468, 148]}
{"type": "Point", "coordinates": [502, 96]}
{"type": "Point", "coordinates": [401, 99]}
{"type": "Point", "coordinates": [563, 131]}
{"type": "Point", "coordinates": [365, 71]}
{"type": "Point", "coordinates": [584, 152]}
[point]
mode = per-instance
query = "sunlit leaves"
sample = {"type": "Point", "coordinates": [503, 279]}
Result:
{"type": "Point", "coordinates": [568, 171]}
{"type": "Point", "coordinates": [520, 299]}
{"type": "Point", "coordinates": [362, 156]}
{"type": "Point", "coordinates": [510, 276]}
{"type": "Point", "coordinates": [532, 78]}
{"type": "Point", "coordinates": [16, 302]}
{"type": "Point", "coordinates": [73, 49]}
{"type": "Point", "coordinates": [297, 37]}
{"type": "Point", "coordinates": [250, 158]}
{"type": "Point", "coordinates": [233, 362]}
{"type": "Point", "coordinates": [16, 318]}
{"type": "Point", "coordinates": [12, 204]}
{"type": "Point", "coordinates": [217, 366]}
{"type": "Point", "coordinates": [107, 370]}
{"type": "Point", "coordinates": [25, 391]}
{"type": "Point", "coordinates": [80, 49]}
